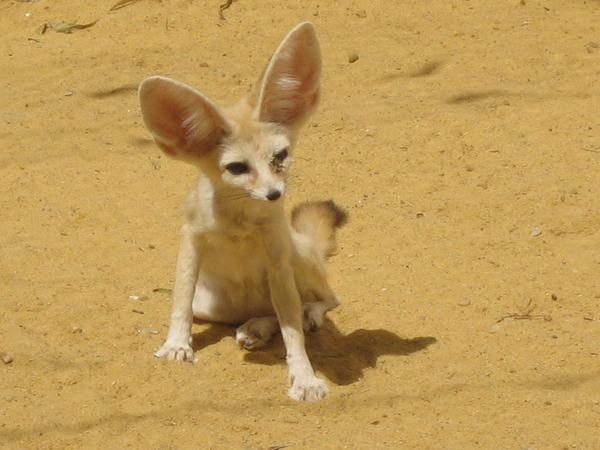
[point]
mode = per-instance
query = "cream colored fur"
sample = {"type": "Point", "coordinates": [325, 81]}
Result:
{"type": "Point", "coordinates": [240, 260]}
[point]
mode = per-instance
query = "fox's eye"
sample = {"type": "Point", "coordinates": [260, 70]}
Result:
{"type": "Point", "coordinates": [281, 155]}
{"type": "Point", "coordinates": [237, 168]}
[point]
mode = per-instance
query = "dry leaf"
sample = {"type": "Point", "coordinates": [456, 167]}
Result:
{"type": "Point", "coordinates": [65, 27]}
{"type": "Point", "coordinates": [123, 4]}
{"type": "Point", "coordinates": [163, 291]}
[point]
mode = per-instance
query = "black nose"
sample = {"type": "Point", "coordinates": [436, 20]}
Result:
{"type": "Point", "coordinates": [273, 195]}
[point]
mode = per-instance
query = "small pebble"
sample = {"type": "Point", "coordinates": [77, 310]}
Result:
{"type": "Point", "coordinates": [147, 331]}
{"type": "Point", "coordinates": [536, 232]}
{"type": "Point", "coordinates": [6, 358]}
{"type": "Point", "coordinates": [352, 57]}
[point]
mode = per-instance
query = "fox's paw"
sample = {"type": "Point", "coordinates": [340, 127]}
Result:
{"type": "Point", "coordinates": [248, 338]}
{"type": "Point", "coordinates": [310, 389]}
{"type": "Point", "coordinates": [313, 317]}
{"type": "Point", "coordinates": [176, 353]}
{"type": "Point", "coordinates": [256, 332]}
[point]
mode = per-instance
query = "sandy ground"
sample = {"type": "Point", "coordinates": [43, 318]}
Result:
{"type": "Point", "coordinates": [465, 144]}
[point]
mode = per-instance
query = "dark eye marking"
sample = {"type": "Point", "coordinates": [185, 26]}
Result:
{"type": "Point", "coordinates": [280, 156]}
{"type": "Point", "coordinates": [237, 168]}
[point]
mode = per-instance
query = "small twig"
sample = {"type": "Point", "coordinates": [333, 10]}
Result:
{"type": "Point", "coordinates": [279, 447]}
{"type": "Point", "coordinates": [223, 7]}
{"type": "Point", "coordinates": [525, 314]}
{"type": "Point", "coordinates": [590, 150]}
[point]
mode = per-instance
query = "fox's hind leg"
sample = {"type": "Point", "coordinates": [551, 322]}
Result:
{"type": "Point", "coordinates": [314, 313]}
{"type": "Point", "coordinates": [314, 225]}
{"type": "Point", "coordinates": [258, 331]}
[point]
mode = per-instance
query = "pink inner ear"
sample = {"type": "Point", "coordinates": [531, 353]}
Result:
{"type": "Point", "coordinates": [182, 120]}
{"type": "Point", "coordinates": [291, 84]}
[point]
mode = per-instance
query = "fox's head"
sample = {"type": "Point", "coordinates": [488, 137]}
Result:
{"type": "Point", "coordinates": [246, 147]}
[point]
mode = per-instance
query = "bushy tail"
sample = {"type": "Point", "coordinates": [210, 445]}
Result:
{"type": "Point", "coordinates": [318, 222]}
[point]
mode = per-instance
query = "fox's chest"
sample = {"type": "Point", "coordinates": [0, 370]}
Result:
{"type": "Point", "coordinates": [234, 256]}
{"type": "Point", "coordinates": [233, 279]}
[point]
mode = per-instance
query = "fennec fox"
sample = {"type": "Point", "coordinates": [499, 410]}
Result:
{"type": "Point", "coordinates": [240, 260]}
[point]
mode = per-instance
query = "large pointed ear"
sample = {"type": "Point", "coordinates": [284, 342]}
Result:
{"type": "Point", "coordinates": [289, 87]}
{"type": "Point", "coordinates": [182, 121]}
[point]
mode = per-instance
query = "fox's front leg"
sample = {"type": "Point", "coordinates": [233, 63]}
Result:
{"type": "Point", "coordinates": [178, 345]}
{"type": "Point", "coordinates": [304, 384]}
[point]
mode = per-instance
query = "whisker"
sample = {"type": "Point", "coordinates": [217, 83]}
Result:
{"type": "Point", "coordinates": [228, 195]}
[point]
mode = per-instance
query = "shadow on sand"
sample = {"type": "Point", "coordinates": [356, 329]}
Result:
{"type": "Point", "coordinates": [342, 359]}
